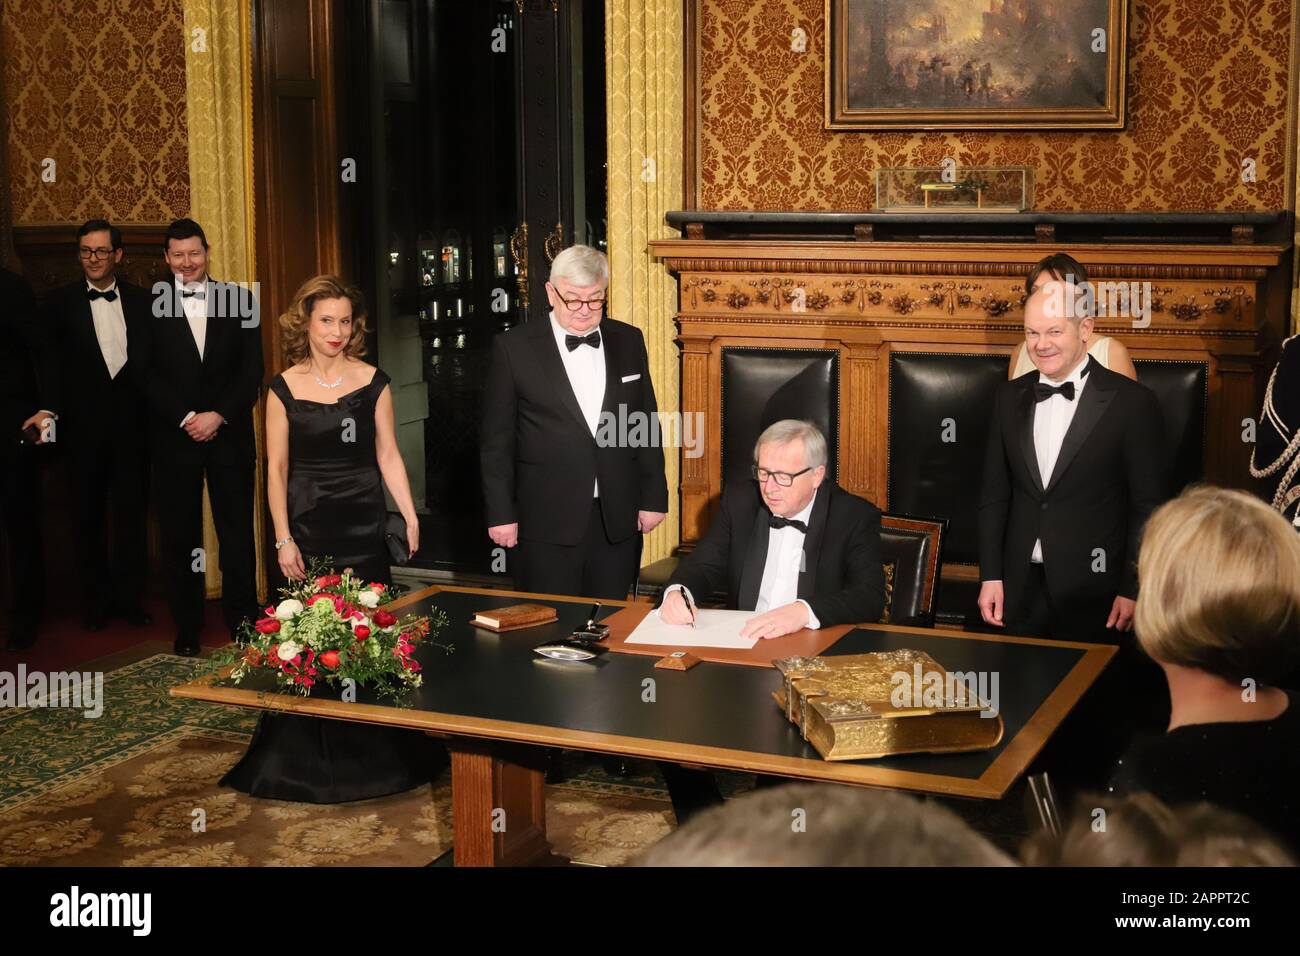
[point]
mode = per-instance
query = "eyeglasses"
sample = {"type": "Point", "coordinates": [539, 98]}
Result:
{"type": "Point", "coordinates": [783, 478]}
{"type": "Point", "coordinates": [94, 253]}
{"type": "Point", "coordinates": [575, 305]}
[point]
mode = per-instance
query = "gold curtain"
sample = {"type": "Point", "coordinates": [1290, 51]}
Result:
{"type": "Point", "coordinates": [219, 108]}
{"type": "Point", "coordinates": [644, 88]}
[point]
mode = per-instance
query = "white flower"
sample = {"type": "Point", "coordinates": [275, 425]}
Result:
{"type": "Point", "coordinates": [359, 621]}
{"type": "Point", "coordinates": [289, 650]}
{"type": "Point", "coordinates": [368, 599]}
{"type": "Point", "coordinates": [287, 609]}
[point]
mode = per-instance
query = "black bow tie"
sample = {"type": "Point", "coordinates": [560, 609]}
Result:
{"type": "Point", "coordinates": [592, 338]}
{"type": "Point", "coordinates": [194, 294]}
{"type": "Point", "coordinates": [1043, 391]}
{"type": "Point", "coordinates": [776, 521]}
{"type": "Point", "coordinates": [109, 296]}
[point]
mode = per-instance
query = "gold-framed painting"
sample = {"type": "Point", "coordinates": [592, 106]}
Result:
{"type": "Point", "coordinates": [976, 64]}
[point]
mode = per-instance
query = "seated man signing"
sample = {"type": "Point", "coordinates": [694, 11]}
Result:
{"type": "Point", "coordinates": [801, 552]}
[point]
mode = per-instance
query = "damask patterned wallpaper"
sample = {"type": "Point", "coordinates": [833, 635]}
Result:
{"type": "Point", "coordinates": [99, 87]}
{"type": "Point", "coordinates": [1207, 87]}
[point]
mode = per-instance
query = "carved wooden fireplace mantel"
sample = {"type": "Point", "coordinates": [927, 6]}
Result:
{"type": "Point", "coordinates": [875, 287]}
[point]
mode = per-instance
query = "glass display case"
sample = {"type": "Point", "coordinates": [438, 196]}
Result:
{"type": "Point", "coordinates": [954, 189]}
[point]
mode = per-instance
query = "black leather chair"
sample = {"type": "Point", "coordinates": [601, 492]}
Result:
{"type": "Point", "coordinates": [761, 386]}
{"type": "Point", "coordinates": [1183, 390]}
{"type": "Point", "coordinates": [915, 548]}
{"type": "Point", "coordinates": [940, 405]}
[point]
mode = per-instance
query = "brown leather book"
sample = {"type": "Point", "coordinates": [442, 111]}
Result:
{"type": "Point", "coordinates": [514, 617]}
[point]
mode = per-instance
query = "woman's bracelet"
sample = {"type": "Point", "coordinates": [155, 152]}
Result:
{"type": "Point", "coordinates": [282, 542]}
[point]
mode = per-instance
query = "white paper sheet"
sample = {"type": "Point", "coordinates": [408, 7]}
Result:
{"type": "Point", "coordinates": [712, 628]}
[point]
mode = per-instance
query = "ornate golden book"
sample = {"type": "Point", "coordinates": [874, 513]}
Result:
{"type": "Point", "coordinates": [861, 706]}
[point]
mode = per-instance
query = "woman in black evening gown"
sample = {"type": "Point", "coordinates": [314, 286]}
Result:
{"type": "Point", "coordinates": [331, 448]}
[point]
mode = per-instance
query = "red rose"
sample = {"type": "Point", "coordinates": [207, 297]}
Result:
{"type": "Point", "coordinates": [330, 659]}
{"type": "Point", "coordinates": [268, 611]}
{"type": "Point", "coordinates": [267, 625]}
{"type": "Point", "coordinates": [319, 597]}
{"type": "Point", "coordinates": [362, 632]}
{"type": "Point", "coordinates": [328, 580]}
{"type": "Point", "coordinates": [376, 587]}
{"type": "Point", "coordinates": [385, 618]}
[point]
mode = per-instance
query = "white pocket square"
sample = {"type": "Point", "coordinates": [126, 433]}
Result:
{"type": "Point", "coordinates": [631, 378]}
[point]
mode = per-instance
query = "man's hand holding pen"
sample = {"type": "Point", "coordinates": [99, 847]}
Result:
{"type": "Point", "coordinates": [677, 608]}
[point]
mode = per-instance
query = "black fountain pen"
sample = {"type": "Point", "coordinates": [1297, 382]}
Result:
{"type": "Point", "coordinates": [686, 596]}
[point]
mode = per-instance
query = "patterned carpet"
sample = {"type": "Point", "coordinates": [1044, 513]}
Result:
{"type": "Point", "coordinates": [137, 787]}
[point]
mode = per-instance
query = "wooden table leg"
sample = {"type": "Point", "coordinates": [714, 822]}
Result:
{"type": "Point", "coordinates": [498, 804]}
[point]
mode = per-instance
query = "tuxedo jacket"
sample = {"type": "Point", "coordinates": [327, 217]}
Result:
{"type": "Point", "coordinates": [842, 580]}
{"type": "Point", "coordinates": [89, 402]}
{"type": "Point", "coordinates": [176, 381]}
{"type": "Point", "coordinates": [538, 456]}
{"type": "Point", "coordinates": [27, 360]}
{"type": "Point", "coordinates": [1108, 478]}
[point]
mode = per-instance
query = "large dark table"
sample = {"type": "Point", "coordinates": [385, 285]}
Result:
{"type": "Point", "coordinates": [498, 705]}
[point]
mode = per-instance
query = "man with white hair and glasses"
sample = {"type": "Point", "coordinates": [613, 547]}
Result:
{"type": "Point", "coordinates": [569, 492]}
{"type": "Point", "coordinates": [797, 550]}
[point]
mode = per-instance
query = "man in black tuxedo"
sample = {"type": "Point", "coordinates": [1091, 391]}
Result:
{"type": "Point", "coordinates": [797, 550]}
{"type": "Point", "coordinates": [27, 373]}
{"type": "Point", "coordinates": [1073, 468]}
{"type": "Point", "coordinates": [200, 366]}
{"type": "Point", "coordinates": [101, 423]}
{"type": "Point", "coordinates": [560, 478]}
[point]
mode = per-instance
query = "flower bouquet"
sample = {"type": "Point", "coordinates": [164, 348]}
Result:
{"type": "Point", "coordinates": [332, 628]}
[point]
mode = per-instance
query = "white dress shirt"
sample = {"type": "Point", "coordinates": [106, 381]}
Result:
{"type": "Point", "coordinates": [585, 367]}
{"type": "Point", "coordinates": [781, 570]}
{"type": "Point", "coordinates": [196, 314]}
{"type": "Point", "coordinates": [785, 562]}
{"type": "Point", "coordinates": [196, 311]}
{"type": "Point", "coordinates": [1051, 421]}
{"type": "Point", "coordinates": [110, 328]}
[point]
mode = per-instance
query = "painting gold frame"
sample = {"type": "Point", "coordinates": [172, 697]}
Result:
{"type": "Point", "coordinates": [840, 116]}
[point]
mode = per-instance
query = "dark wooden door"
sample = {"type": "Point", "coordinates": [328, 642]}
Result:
{"type": "Point", "coordinates": [467, 125]}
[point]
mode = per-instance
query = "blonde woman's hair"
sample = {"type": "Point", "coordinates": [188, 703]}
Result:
{"type": "Point", "coordinates": [296, 319]}
{"type": "Point", "coordinates": [1219, 586]}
